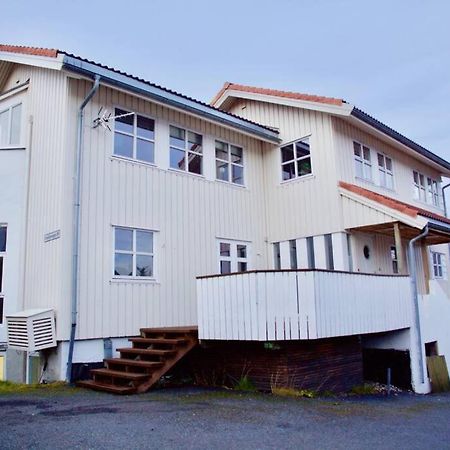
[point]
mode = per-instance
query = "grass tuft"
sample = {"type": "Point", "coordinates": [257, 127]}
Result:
{"type": "Point", "coordinates": [9, 387]}
{"type": "Point", "coordinates": [245, 384]}
{"type": "Point", "coordinates": [291, 392]}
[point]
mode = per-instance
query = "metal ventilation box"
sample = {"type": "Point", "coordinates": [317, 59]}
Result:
{"type": "Point", "coordinates": [31, 330]}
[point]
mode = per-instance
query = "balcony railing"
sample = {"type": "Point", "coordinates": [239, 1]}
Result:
{"type": "Point", "coordinates": [300, 304]}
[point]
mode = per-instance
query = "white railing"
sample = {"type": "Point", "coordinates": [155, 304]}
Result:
{"type": "Point", "coordinates": [303, 304]}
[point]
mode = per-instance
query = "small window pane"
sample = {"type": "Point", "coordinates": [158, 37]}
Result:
{"type": "Point", "coordinates": [225, 267]}
{"type": "Point", "coordinates": [3, 239]}
{"type": "Point", "coordinates": [242, 266]}
{"type": "Point", "coordinates": [1, 274]}
{"type": "Point", "coordinates": [16, 113]}
{"type": "Point", "coordinates": [389, 164]}
{"type": "Point", "coordinates": [359, 169]}
{"type": "Point", "coordinates": [357, 149]}
{"type": "Point", "coordinates": [124, 124]}
{"type": "Point", "coordinates": [380, 160]}
{"type": "Point", "coordinates": [177, 137]}
{"type": "Point", "coordinates": [236, 154]}
{"type": "Point", "coordinates": [144, 241]}
{"type": "Point", "coordinates": [222, 150]}
{"type": "Point", "coordinates": [287, 153]}
{"type": "Point", "coordinates": [4, 128]}
{"type": "Point", "coordinates": [144, 266]}
{"type": "Point", "coordinates": [302, 148]}
{"type": "Point", "coordinates": [145, 150]}
{"type": "Point", "coordinates": [145, 127]}
{"type": "Point", "coordinates": [195, 140]}
{"type": "Point", "coordinates": [123, 265]}
{"type": "Point", "coordinates": [123, 145]}
{"type": "Point", "coordinates": [304, 167]}
{"type": "Point", "coordinates": [293, 253]}
{"type": "Point", "coordinates": [177, 159]}
{"type": "Point", "coordinates": [225, 249]}
{"type": "Point", "coordinates": [238, 174]}
{"type": "Point", "coordinates": [195, 163]}
{"type": "Point", "coordinates": [124, 239]}
{"type": "Point", "coordinates": [366, 153]}
{"type": "Point", "coordinates": [241, 251]}
{"type": "Point", "coordinates": [288, 171]}
{"type": "Point", "coordinates": [222, 170]}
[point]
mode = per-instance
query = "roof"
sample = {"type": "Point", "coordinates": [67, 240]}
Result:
{"type": "Point", "coordinates": [405, 208]}
{"type": "Point", "coordinates": [276, 93]}
{"type": "Point", "coordinates": [130, 82]}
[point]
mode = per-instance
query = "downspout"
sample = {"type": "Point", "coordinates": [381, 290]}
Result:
{"type": "Point", "coordinates": [443, 197]}
{"type": "Point", "coordinates": [77, 224]}
{"type": "Point", "coordinates": [415, 295]}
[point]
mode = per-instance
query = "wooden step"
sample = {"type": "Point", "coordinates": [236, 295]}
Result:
{"type": "Point", "coordinates": [91, 384]}
{"type": "Point", "coordinates": [173, 341]}
{"type": "Point", "coordinates": [146, 351]}
{"type": "Point", "coordinates": [134, 363]}
{"type": "Point", "coordinates": [171, 330]}
{"type": "Point", "coordinates": [119, 374]}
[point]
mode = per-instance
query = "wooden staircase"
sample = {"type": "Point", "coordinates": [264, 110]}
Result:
{"type": "Point", "coordinates": [139, 367]}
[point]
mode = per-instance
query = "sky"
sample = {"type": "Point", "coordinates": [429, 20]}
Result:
{"type": "Point", "coordinates": [389, 58]}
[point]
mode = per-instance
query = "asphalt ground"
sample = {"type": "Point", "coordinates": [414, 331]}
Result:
{"type": "Point", "coordinates": [191, 418]}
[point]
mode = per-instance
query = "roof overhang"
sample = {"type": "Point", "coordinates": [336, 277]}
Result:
{"type": "Point", "coordinates": [47, 62]}
{"type": "Point", "coordinates": [122, 81]}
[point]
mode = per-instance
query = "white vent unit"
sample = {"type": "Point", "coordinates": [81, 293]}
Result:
{"type": "Point", "coordinates": [31, 330]}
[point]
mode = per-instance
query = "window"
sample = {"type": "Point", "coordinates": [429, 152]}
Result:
{"type": "Point", "coordinates": [296, 159]}
{"type": "Point", "coordinates": [427, 190]}
{"type": "Point", "coordinates": [10, 121]}
{"type": "Point", "coordinates": [229, 163]}
{"type": "Point", "coordinates": [385, 171]}
{"type": "Point", "coordinates": [394, 259]}
{"type": "Point", "coordinates": [3, 233]}
{"type": "Point", "coordinates": [329, 251]}
{"type": "Point", "coordinates": [439, 265]}
{"type": "Point", "coordinates": [133, 253]}
{"type": "Point", "coordinates": [293, 253]}
{"type": "Point", "coordinates": [276, 256]}
{"type": "Point", "coordinates": [310, 252]}
{"type": "Point", "coordinates": [134, 136]}
{"type": "Point", "coordinates": [233, 256]}
{"type": "Point", "coordinates": [363, 164]}
{"type": "Point", "coordinates": [185, 150]}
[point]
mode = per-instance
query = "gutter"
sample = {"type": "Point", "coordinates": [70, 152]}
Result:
{"type": "Point", "coordinates": [77, 224]}
{"type": "Point", "coordinates": [415, 298]}
{"type": "Point", "coordinates": [141, 87]}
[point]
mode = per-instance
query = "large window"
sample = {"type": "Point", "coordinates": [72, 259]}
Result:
{"type": "Point", "coordinates": [385, 171]}
{"type": "Point", "coordinates": [10, 120]}
{"type": "Point", "coordinates": [3, 233]}
{"type": "Point", "coordinates": [229, 163]}
{"type": "Point", "coordinates": [363, 163]}
{"type": "Point", "coordinates": [134, 136]}
{"type": "Point", "coordinates": [133, 253]}
{"type": "Point", "coordinates": [296, 159]}
{"type": "Point", "coordinates": [438, 265]}
{"type": "Point", "coordinates": [186, 150]}
{"type": "Point", "coordinates": [426, 189]}
{"type": "Point", "coordinates": [233, 256]}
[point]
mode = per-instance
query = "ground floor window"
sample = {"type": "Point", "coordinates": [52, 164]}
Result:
{"type": "Point", "coordinates": [133, 253]}
{"type": "Point", "coordinates": [3, 233]}
{"type": "Point", "coordinates": [394, 259]}
{"type": "Point", "coordinates": [439, 266]}
{"type": "Point", "coordinates": [233, 256]}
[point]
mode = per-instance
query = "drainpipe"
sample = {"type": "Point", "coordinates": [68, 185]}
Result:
{"type": "Point", "coordinates": [77, 224]}
{"type": "Point", "coordinates": [443, 197]}
{"type": "Point", "coordinates": [415, 297]}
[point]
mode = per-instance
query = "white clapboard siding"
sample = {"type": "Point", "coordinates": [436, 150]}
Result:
{"type": "Point", "coordinates": [290, 305]}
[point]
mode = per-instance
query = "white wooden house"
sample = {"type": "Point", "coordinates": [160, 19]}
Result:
{"type": "Point", "coordinates": [277, 223]}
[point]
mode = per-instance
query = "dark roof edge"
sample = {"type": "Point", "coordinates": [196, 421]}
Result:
{"type": "Point", "coordinates": [129, 82]}
{"type": "Point", "coordinates": [361, 115]}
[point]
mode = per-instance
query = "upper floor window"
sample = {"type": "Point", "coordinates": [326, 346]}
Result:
{"type": "Point", "coordinates": [186, 150]}
{"type": "Point", "coordinates": [233, 256]}
{"type": "Point", "coordinates": [439, 265]}
{"type": "Point", "coordinates": [134, 136]}
{"type": "Point", "coordinates": [385, 171]}
{"type": "Point", "coordinates": [426, 189]}
{"type": "Point", "coordinates": [363, 163]}
{"type": "Point", "coordinates": [229, 163]}
{"type": "Point", "coordinates": [296, 159]}
{"type": "Point", "coordinates": [10, 120]}
{"type": "Point", "coordinates": [133, 253]}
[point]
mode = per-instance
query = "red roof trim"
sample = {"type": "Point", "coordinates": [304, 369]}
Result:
{"type": "Point", "coordinates": [277, 93]}
{"type": "Point", "coordinates": [405, 208]}
{"type": "Point", "coordinates": [35, 51]}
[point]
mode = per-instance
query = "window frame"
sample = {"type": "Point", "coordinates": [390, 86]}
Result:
{"type": "Point", "coordinates": [394, 260]}
{"type": "Point", "coordinates": [2, 273]}
{"type": "Point", "coordinates": [433, 196]}
{"type": "Point", "coordinates": [9, 108]}
{"type": "Point", "coordinates": [230, 163]}
{"type": "Point", "coordinates": [386, 171]}
{"type": "Point", "coordinates": [296, 160]}
{"type": "Point", "coordinates": [234, 259]}
{"type": "Point", "coordinates": [363, 161]}
{"type": "Point", "coordinates": [134, 254]}
{"type": "Point", "coordinates": [438, 263]}
{"type": "Point", "coordinates": [187, 151]}
{"type": "Point", "coordinates": [135, 137]}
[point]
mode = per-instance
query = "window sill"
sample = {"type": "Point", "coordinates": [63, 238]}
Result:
{"type": "Point", "coordinates": [132, 161]}
{"type": "Point", "coordinates": [142, 280]}
{"type": "Point", "coordinates": [12, 147]}
{"type": "Point", "coordinates": [298, 179]}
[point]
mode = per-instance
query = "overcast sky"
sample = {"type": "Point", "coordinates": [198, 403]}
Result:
{"type": "Point", "coordinates": [390, 58]}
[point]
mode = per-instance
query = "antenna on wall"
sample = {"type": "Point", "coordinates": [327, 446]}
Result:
{"type": "Point", "coordinates": [104, 118]}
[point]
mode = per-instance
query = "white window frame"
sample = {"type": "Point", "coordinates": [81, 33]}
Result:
{"type": "Point", "coordinates": [295, 160]}
{"type": "Point", "coordinates": [438, 265]}
{"type": "Point", "coordinates": [134, 253]}
{"type": "Point", "coordinates": [234, 259]}
{"type": "Point", "coordinates": [187, 151]}
{"type": "Point", "coordinates": [230, 163]}
{"type": "Point", "coordinates": [9, 129]}
{"type": "Point", "coordinates": [2, 277]}
{"type": "Point", "coordinates": [367, 165]}
{"type": "Point", "coordinates": [135, 137]}
{"type": "Point", "coordinates": [429, 192]}
{"type": "Point", "coordinates": [384, 170]}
